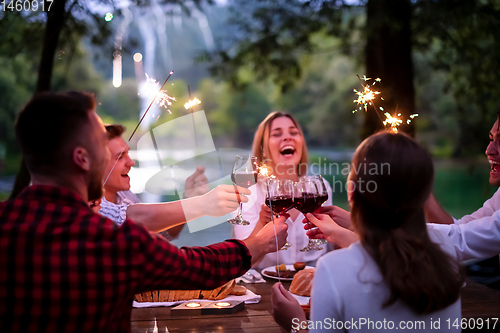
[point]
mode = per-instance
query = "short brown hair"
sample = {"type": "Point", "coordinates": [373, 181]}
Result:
{"type": "Point", "coordinates": [50, 125]}
{"type": "Point", "coordinates": [261, 139]}
{"type": "Point", "coordinates": [114, 131]}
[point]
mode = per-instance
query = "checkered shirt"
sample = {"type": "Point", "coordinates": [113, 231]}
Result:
{"type": "Point", "coordinates": [64, 268]}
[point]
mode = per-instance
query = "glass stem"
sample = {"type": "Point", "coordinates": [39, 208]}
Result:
{"type": "Point", "coordinates": [239, 210]}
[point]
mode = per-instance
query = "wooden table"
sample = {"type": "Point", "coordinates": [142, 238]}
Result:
{"type": "Point", "coordinates": [478, 301]}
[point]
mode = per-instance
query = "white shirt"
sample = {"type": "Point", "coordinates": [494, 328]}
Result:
{"type": "Point", "coordinates": [296, 233]}
{"type": "Point", "coordinates": [475, 236]}
{"type": "Point", "coordinates": [490, 206]}
{"type": "Point", "coordinates": [349, 287]}
{"type": "Point", "coordinates": [118, 211]}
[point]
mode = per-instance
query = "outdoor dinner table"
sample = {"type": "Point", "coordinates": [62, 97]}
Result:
{"type": "Point", "coordinates": [478, 301]}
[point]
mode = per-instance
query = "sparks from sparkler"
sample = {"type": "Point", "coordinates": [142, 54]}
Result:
{"type": "Point", "coordinates": [164, 100]}
{"type": "Point", "coordinates": [367, 96]}
{"type": "Point", "coordinates": [395, 121]}
{"type": "Point", "coordinates": [157, 95]}
{"type": "Point", "coordinates": [195, 101]}
{"type": "Point", "coordinates": [265, 171]}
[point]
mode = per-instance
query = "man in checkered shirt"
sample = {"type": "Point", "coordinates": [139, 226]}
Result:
{"type": "Point", "coordinates": [64, 268]}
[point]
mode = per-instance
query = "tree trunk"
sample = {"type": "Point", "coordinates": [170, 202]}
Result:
{"type": "Point", "coordinates": [53, 27]}
{"type": "Point", "coordinates": [388, 56]}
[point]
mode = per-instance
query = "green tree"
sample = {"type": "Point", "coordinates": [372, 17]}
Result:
{"type": "Point", "coordinates": [460, 38]}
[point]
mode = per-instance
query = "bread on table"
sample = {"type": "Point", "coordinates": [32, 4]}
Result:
{"type": "Point", "coordinates": [184, 295]}
{"type": "Point", "coordinates": [302, 282]}
{"type": "Point", "coordinates": [238, 290]}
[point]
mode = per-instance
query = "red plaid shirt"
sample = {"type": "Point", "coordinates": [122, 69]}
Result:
{"type": "Point", "coordinates": [64, 268]}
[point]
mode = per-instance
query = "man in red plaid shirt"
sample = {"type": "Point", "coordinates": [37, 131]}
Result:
{"type": "Point", "coordinates": [64, 268]}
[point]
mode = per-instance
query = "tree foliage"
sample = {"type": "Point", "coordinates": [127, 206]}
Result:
{"type": "Point", "coordinates": [457, 38]}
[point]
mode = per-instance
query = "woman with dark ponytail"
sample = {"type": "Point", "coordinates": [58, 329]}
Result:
{"type": "Point", "coordinates": [398, 273]}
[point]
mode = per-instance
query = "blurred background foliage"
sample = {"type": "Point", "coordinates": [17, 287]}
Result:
{"type": "Point", "coordinates": [307, 67]}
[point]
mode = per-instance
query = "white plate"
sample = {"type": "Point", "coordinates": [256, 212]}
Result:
{"type": "Point", "coordinates": [303, 300]}
{"type": "Point", "coordinates": [272, 268]}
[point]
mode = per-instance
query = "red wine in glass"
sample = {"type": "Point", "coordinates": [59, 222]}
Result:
{"type": "Point", "coordinates": [244, 178]}
{"type": "Point", "coordinates": [280, 204]}
{"type": "Point", "coordinates": [309, 202]}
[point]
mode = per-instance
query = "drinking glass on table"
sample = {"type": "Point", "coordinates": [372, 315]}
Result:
{"type": "Point", "coordinates": [244, 174]}
{"type": "Point", "coordinates": [310, 194]}
{"type": "Point", "coordinates": [280, 199]}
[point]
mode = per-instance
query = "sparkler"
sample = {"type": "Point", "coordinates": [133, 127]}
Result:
{"type": "Point", "coordinates": [163, 100]}
{"type": "Point", "coordinates": [195, 101]}
{"type": "Point", "coordinates": [367, 97]}
{"type": "Point", "coordinates": [189, 106]}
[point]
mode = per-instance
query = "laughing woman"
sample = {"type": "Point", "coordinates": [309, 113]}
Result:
{"type": "Point", "coordinates": [279, 143]}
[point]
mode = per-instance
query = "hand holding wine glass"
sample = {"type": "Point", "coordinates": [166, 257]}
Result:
{"type": "Point", "coordinates": [244, 174]}
{"type": "Point", "coordinates": [310, 194]}
{"type": "Point", "coordinates": [280, 198]}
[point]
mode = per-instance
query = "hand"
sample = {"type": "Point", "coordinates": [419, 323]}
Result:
{"type": "Point", "coordinates": [267, 236]}
{"type": "Point", "coordinates": [264, 215]}
{"type": "Point", "coordinates": [285, 307]}
{"type": "Point", "coordinates": [329, 230]}
{"type": "Point", "coordinates": [223, 199]}
{"type": "Point", "coordinates": [339, 215]}
{"type": "Point", "coordinates": [197, 183]}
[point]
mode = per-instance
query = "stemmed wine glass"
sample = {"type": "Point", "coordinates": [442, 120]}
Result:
{"type": "Point", "coordinates": [280, 199]}
{"type": "Point", "coordinates": [310, 194]}
{"type": "Point", "coordinates": [244, 174]}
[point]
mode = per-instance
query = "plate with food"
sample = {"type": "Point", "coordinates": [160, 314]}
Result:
{"type": "Point", "coordinates": [287, 272]}
{"type": "Point", "coordinates": [301, 286]}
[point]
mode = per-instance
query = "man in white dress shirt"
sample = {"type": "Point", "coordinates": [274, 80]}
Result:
{"type": "Point", "coordinates": [476, 235]}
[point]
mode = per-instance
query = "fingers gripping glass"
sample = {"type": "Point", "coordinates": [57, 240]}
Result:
{"type": "Point", "coordinates": [280, 199]}
{"type": "Point", "coordinates": [310, 194]}
{"type": "Point", "coordinates": [244, 174]}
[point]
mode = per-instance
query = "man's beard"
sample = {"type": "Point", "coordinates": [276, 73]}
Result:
{"type": "Point", "coordinates": [94, 190]}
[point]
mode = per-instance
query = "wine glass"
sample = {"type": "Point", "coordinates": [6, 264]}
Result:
{"type": "Point", "coordinates": [310, 194]}
{"type": "Point", "coordinates": [244, 174]}
{"type": "Point", "coordinates": [280, 199]}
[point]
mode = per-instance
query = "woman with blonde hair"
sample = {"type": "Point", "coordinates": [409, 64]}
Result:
{"type": "Point", "coordinates": [279, 144]}
{"type": "Point", "coordinates": [398, 273]}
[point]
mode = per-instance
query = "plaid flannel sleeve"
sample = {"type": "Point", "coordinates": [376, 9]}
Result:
{"type": "Point", "coordinates": [161, 265]}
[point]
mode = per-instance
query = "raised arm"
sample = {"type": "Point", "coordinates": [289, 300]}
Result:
{"type": "Point", "coordinates": [477, 239]}
{"type": "Point", "coordinates": [162, 265]}
{"type": "Point", "coordinates": [160, 216]}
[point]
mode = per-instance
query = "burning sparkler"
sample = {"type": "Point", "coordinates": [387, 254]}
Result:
{"type": "Point", "coordinates": [195, 101]}
{"type": "Point", "coordinates": [367, 97]}
{"type": "Point", "coordinates": [265, 171]}
{"type": "Point", "coordinates": [163, 99]}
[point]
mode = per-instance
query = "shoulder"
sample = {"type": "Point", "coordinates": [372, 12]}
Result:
{"type": "Point", "coordinates": [350, 257]}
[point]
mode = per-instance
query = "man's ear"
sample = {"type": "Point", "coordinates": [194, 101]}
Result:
{"type": "Point", "coordinates": [81, 158]}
